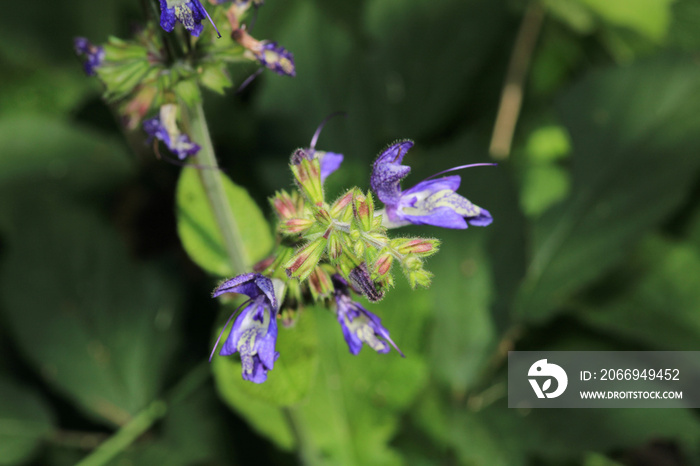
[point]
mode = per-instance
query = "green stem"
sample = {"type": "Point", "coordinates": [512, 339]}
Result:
{"type": "Point", "coordinates": [307, 455]}
{"type": "Point", "coordinates": [214, 187]}
{"type": "Point", "coordinates": [126, 435]}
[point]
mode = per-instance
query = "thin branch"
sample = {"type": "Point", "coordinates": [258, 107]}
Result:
{"type": "Point", "coordinates": [512, 94]}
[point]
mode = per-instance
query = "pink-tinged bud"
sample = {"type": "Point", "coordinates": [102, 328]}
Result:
{"type": "Point", "coordinates": [341, 206]}
{"type": "Point", "coordinates": [305, 259]}
{"type": "Point", "coordinates": [363, 209]}
{"type": "Point", "coordinates": [308, 177]}
{"type": "Point", "coordinates": [323, 217]}
{"type": "Point", "coordinates": [287, 205]}
{"type": "Point", "coordinates": [320, 284]}
{"type": "Point", "coordinates": [335, 245]}
{"type": "Point", "coordinates": [382, 265]}
{"type": "Point", "coordinates": [264, 264]}
{"type": "Point", "coordinates": [417, 246]}
{"type": "Point", "coordinates": [295, 226]}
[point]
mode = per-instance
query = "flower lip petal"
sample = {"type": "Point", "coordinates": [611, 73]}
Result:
{"type": "Point", "coordinates": [387, 172]}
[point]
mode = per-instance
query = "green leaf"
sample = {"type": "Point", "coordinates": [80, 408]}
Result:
{"type": "Point", "coordinates": [199, 231]}
{"type": "Point", "coordinates": [294, 372]}
{"type": "Point", "coordinates": [265, 418]}
{"type": "Point", "coordinates": [648, 17]}
{"type": "Point", "coordinates": [657, 300]}
{"type": "Point", "coordinates": [97, 326]}
{"type": "Point", "coordinates": [24, 421]}
{"type": "Point", "coordinates": [50, 149]}
{"type": "Point", "coordinates": [463, 333]}
{"type": "Point", "coordinates": [633, 165]}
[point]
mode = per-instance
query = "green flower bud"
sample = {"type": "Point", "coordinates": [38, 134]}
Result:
{"type": "Point", "coordinates": [363, 209]}
{"type": "Point", "coordinates": [341, 209]}
{"type": "Point", "coordinates": [305, 259]}
{"type": "Point", "coordinates": [308, 177]}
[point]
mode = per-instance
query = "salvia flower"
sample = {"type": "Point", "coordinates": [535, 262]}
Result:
{"type": "Point", "coordinates": [188, 12]}
{"type": "Point", "coordinates": [430, 202]}
{"type": "Point", "coordinates": [358, 324]}
{"type": "Point", "coordinates": [276, 58]}
{"type": "Point", "coordinates": [254, 332]}
{"type": "Point", "coordinates": [95, 54]}
{"type": "Point", "coordinates": [268, 53]}
{"type": "Point", "coordinates": [164, 128]}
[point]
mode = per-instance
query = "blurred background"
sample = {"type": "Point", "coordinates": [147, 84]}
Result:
{"type": "Point", "coordinates": [106, 324]}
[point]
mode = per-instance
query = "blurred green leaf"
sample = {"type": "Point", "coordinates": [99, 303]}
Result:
{"type": "Point", "coordinates": [648, 17]}
{"type": "Point", "coordinates": [199, 231]}
{"type": "Point", "coordinates": [463, 333]}
{"type": "Point", "coordinates": [657, 299]}
{"type": "Point", "coordinates": [294, 372]}
{"type": "Point", "coordinates": [25, 421]}
{"type": "Point", "coordinates": [633, 165]}
{"type": "Point", "coordinates": [97, 326]}
{"type": "Point", "coordinates": [351, 413]}
{"type": "Point", "coordinates": [44, 148]}
{"type": "Point", "coordinates": [267, 419]}
{"type": "Point", "coordinates": [543, 186]}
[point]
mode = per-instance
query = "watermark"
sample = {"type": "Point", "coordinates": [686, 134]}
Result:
{"type": "Point", "coordinates": [604, 379]}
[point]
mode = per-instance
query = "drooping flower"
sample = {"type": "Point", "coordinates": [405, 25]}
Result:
{"type": "Point", "coordinates": [430, 202]}
{"type": "Point", "coordinates": [95, 54]}
{"type": "Point", "coordinates": [358, 324]}
{"type": "Point", "coordinates": [190, 13]}
{"type": "Point", "coordinates": [164, 128]}
{"type": "Point", "coordinates": [268, 53]}
{"type": "Point", "coordinates": [276, 58]}
{"type": "Point", "coordinates": [254, 332]}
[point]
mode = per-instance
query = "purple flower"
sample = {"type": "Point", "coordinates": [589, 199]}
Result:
{"type": "Point", "coordinates": [254, 332]}
{"type": "Point", "coordinates": [189, 12]}
{"type": "Point", "coordinates": [276, 58]}
{"type": "Point", "coordinates": [358, 324]}
{"type": "Point", "coordinates": [430, 202]}
{"type": "Point", "coordinates": [164, 128]}
{"type": "Point", "coordinates": [95, 54]}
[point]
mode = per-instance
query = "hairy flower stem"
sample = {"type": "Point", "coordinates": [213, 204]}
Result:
{"type": "Point", "coordinates": [214, 187]}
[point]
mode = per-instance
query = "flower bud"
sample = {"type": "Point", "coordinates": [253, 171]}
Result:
{"type": "Point", "coordinates": [295, 226]}
{"type": "Point", "coordinates": [320, 283]}
{"type": "Point", "coordinates": [420, 277]}
{"type": "Point", "coordinates": [363, 209]}
{"type": "Point", "coordinates": [418, 246]}
{"type": "Point", "coordinates": [288, 205]}
{"type": "Point", "coordinates": [323, 217]}
{"type": "Point", "coordinates": [340, 210]}
{"type": "Point", "coordinates": [382, 265]}
{"type": "Point", "coordinates": [308, 177]}
{"type": "Point", "coordinates": [335, 245]}
{"type": "Point", "coordinates": [305, 259]}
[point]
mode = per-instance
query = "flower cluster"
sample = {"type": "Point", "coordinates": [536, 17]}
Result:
{"type": "Point", "coordinates": [328, 251]}
{"type": "Point", "coordinates": [148, 75]}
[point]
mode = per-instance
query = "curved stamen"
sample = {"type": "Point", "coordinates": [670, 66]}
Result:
{"type": "Point", "coordinates": [460, 168]}
{"type": "Point", "coordinates": [250, 79]}
{"type": "Point", "coordinates": [213, 350]}
{"type": "Point", "coordinates": [314, 139]}
{"type": "Point", "coordinates": [211, 21]}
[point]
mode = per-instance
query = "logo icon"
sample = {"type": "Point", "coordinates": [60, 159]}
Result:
{"type": "Point", "coordinates": [543, 369]}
